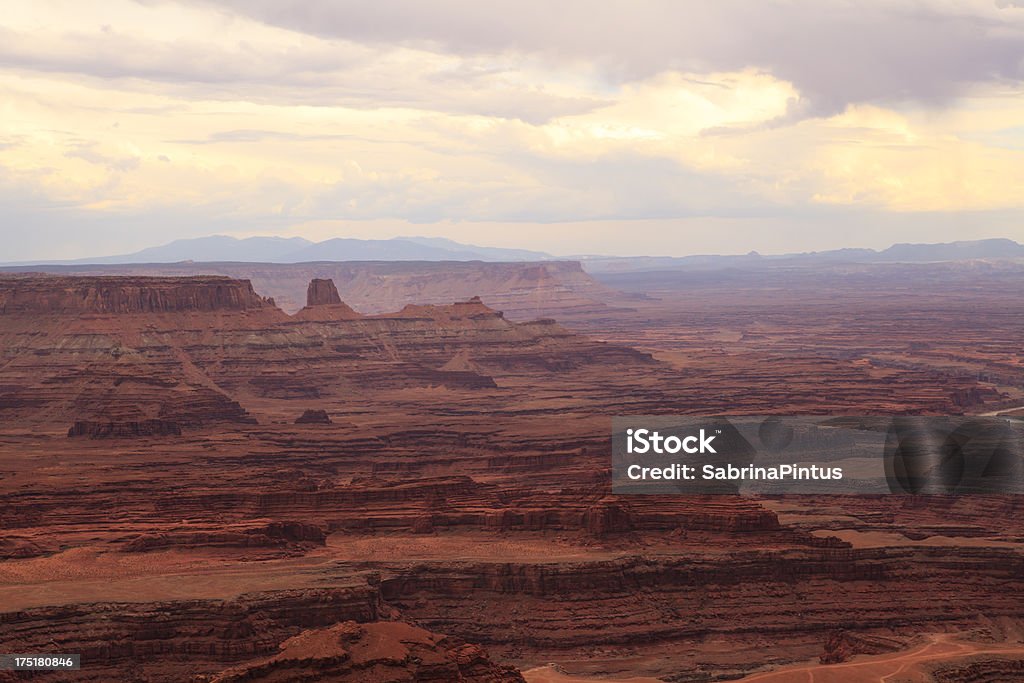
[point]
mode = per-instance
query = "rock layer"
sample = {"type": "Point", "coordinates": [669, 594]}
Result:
{"type": "Point", "coordinates": [104, 430]}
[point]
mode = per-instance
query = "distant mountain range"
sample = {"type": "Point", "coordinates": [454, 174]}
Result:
{"type": "Point", "coordinates": [221, 248]}
{"type": "Point", "coordinates": [897, 253]}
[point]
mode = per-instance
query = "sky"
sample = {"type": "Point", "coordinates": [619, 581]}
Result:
{"type": "Point", "coordinates": [623, 127]}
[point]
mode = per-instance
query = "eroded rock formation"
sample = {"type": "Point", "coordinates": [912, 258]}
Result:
{"type": "Point", "coordinates": [384, 652]}
{"type": "Point", "coordinates": [322, 292]}
{"type": "Point", "coordinates": [313, 416]}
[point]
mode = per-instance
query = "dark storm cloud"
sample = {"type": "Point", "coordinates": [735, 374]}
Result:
{"type": "Point", "coordinates": [834, 52]}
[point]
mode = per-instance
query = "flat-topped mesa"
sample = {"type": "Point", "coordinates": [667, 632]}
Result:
{"type": "Point", "coordinates": [59, 295]}
{"type": "Point", "coordinates": [474, 309]}
{"type": "Point", "coordinates": [323, 303]}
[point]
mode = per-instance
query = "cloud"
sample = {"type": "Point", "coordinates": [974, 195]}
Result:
{"type": "Point", "coordinates": [185, 118]}
{"type": "Point", "coordinates": [835, 52]}
{"type": "Point", "coordinates": [493, 59]}
{"type": "Point", "coordinates": [204, 54]}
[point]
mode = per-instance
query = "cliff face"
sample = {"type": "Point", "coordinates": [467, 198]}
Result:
{"type": "Point", "coordinates": [103, 430]}
{"type": "Point", "coordinates": [121, 295]}
{"type": "Point", "coordinates": [281, 535]}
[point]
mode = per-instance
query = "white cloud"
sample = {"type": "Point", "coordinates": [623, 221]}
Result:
{"type": "Point", "coordinates": [261, 116]}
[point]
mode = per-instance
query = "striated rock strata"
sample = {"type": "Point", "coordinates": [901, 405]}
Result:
{"type": "Point", "coordinates": [103, 430]}
{"type": "Point", "coordinates": [272, 535]}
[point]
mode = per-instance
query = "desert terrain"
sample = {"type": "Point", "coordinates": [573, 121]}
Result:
{"type": "Point", "coordinates": [410, 482]}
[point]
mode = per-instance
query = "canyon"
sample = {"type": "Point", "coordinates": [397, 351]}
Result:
{"type": "Point", "coordinates": [400, 479]}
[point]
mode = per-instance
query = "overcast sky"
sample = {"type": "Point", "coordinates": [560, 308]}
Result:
{"type": "Point", "coordinates": [575, 126]}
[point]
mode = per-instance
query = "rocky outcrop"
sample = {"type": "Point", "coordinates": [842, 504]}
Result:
{"type": "Point", "coordinates": [106, 430]}
{"type": "Point", "coordinates": [201, 405]}
{"type": "Point", "coordinates": [383, 652]}
{"type": "Point", "coordinates": [841, 645]}
{"type": "Point", "coordinates": [121, 295]}
{"type": "Point", "coordinates": [313, 417]}
{"type": "Point", "coordinates": [324, 304]}
{"type": "Point", "coordinates": [14, 548]}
